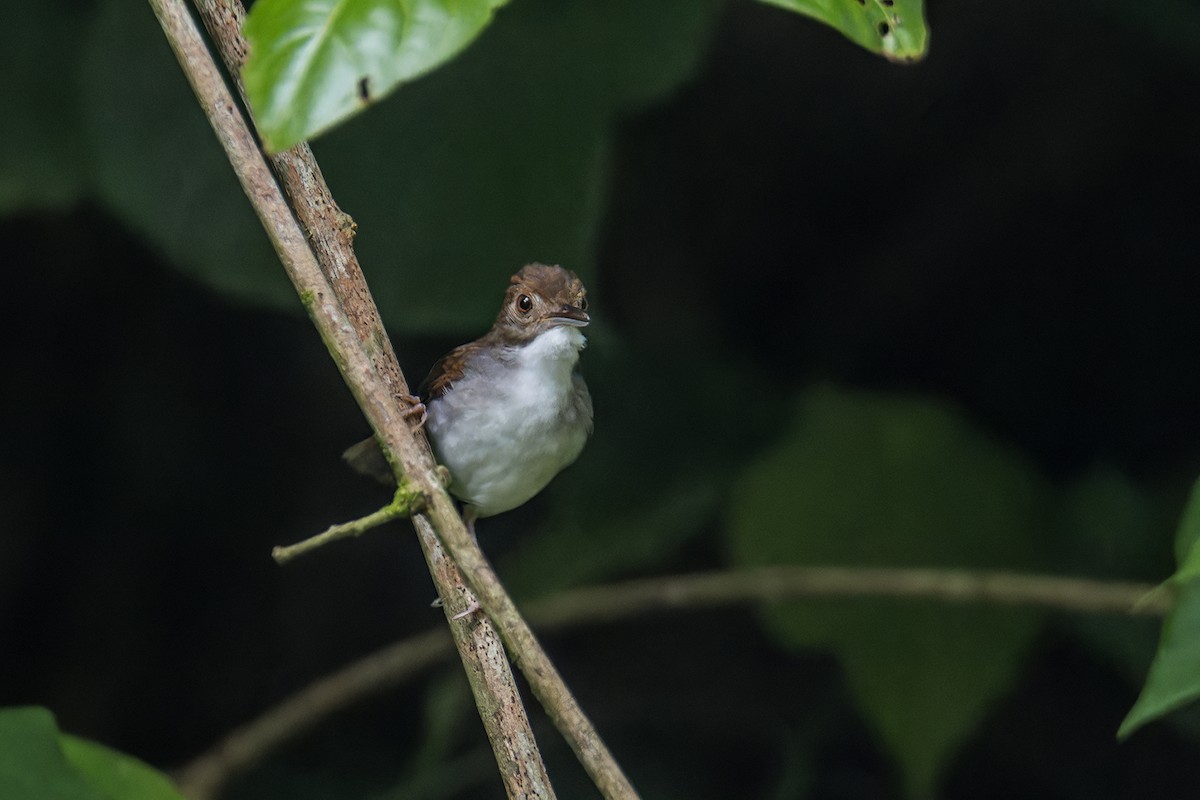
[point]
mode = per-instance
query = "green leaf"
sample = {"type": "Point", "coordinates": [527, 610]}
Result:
{"type": "Point", "coordinates": [32, 765]}
{"type": "Point", "coordinates": [115, 774]}
{"type": "Point", "coordinates": [39, 763]}
{"type": "Point", "coordinates": [1174, 678]}
{"type": "Point", "coordinates": [494, 161]}
{"type": "Point", "coordinates": [313, 63]}
{"type": "Point", "coordinates": [894, 29]}
{"type": "Point", "coordinates": [880, 480]}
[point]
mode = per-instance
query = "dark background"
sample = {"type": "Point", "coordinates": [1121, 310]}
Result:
{"type": "Point", "coordinates": [1008, 226]}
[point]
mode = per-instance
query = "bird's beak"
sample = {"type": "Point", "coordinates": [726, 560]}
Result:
{"type": "Point", "coordinates": [570, 315]}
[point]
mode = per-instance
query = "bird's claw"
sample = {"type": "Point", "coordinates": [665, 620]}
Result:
{"type": "Point", "coordinates": [415, 409]}
{"type": "Point", "coordinates": [443, 474]}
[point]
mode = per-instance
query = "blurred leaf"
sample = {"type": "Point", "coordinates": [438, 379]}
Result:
{"type": "Point", "coordinates": [32, 765]}
{"type": "Point", "coordinates": [115, 774]}
{"type": "Point", "coordinates": [1174, 678]}
{"type": "Point", "coordinates": [39, 763]}
{"type": "Point", "coordinates": [1111, 528]}
{"type": "Point", "coordinates": [158, 166]}
{"type": "Point", "coordinates": [41, 147]}
{"type": "Point", "coordinates": [881, 480]}
{"type": "Point", "coordinates": [494, 161]}
{"type": "Point", "coordinates": [313, 63]}
{"type": "Point", "coordinates": [1108, 527]}
{"type": "Point", "coordinates": [894, 29]}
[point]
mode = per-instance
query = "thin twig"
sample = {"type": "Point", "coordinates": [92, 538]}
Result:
{"type": "Point", "coordinates": [405, 503]}
{"type": "Point", "coordinates": [342, 530]}
{"type": "Point", "coordinates": [203, 778]}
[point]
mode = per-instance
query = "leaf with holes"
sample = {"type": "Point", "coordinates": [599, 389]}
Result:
{"type": "Point", "coordinates": [895, 29]}
{"type": "Point", "coordinates": [313, 63]}
{"type": "Point", "coordinates": [1174, 679]}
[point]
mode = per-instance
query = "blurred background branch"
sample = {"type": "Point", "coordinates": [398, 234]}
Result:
{"type": "Point", "coordinates": [204, 777]}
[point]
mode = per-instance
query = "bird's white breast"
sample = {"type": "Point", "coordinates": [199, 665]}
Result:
{"type": "Point", "coordinates": [512, 421]}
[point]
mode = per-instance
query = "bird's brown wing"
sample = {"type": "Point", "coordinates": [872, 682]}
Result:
{"type": "Point", "coordinates": [444, 373]}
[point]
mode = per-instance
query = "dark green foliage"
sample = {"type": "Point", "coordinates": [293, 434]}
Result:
{"type": "Point", "coordinates": [984, 262]}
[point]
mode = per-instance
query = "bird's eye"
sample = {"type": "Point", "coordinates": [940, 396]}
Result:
{"type": "Point", "coordinates": [525, 304]}
{"type": "Point", "coordinates": [583, 304]}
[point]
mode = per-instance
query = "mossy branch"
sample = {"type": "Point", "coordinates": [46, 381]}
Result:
{"type": "Point", "coordinates": [406, 502]}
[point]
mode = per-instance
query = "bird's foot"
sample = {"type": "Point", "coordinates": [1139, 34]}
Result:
{"type": "Point", "coordinates": [415, 409]}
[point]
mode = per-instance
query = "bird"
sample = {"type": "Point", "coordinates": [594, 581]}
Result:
{"type": "Point", "coordinates": [508, 411]}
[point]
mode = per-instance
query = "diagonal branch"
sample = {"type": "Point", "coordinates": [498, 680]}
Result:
{"type": "Point", "coordinates": [340, 305]}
